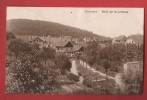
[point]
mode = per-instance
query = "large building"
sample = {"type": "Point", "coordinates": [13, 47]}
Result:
{"type": "Point", "coordinates": [68, 48]}
{"type": "Point", "coordinates": [62, 45]}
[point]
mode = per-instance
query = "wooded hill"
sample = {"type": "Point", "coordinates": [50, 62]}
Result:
{"type": "Point", "coordinates": [45, 28]}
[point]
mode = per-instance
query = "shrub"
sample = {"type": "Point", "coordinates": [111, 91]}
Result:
{"type": "Point", "coordinates": [73, 77]}
{"type": "Point", "coordinates": [87, 82]}
{"type": "Point", "coordinates": [63, 63]}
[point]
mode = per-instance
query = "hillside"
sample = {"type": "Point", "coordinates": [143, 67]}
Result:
{"type": "Point", "coordinates": [40, 28]}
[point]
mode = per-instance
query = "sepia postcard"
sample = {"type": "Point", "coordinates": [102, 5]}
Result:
{"type": "Point", "coordinates": [68, 50]}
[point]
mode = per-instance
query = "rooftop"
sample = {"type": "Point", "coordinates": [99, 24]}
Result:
{"type": "Point", "coordinates": [137, 38]}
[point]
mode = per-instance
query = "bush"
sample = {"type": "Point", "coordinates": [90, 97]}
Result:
{"type": "Point", "coordinates": [63, 63]}
{"type": "Point", "coordinates": [87, 82]}
{"type": "Point", "coordinates": [101, 87]}
{"type": "Point", "coordinates": [134, 80]}
{"type": "Point", "coordinates": [72, 76]}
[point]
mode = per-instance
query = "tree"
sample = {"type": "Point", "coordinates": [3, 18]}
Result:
{"type": "Point", "coordinates": [36, 46]}
{"type": "Point", "coordinates": [141, 52]}
{"type": "Point", "coordinates": [47, 53]}
{"type": "Point", "coordinates": [133, 79]}
{"type": "Point", "coordinates": [105, 53]}
{"type": "Point", "coordinates": [91, 60]}
{"type": "Point", "coordinates": [118, 52]}
{"type": "Point", "coordinates": [16, 46]}
{"type": "Point", "coordinates": [106, 65]}
{"type": "Point", "coordinates": [63, 63]}
{"type": "Point", "coordinates": [78, 55]}
{"type": "Point", "coordinates": [30, 75]}
{"type": "Point", "coordinates": [68, 65]}
{"type": "Point", "coordinates": [92, 48]}
{"type": "Point", "coordinates": [10, 36]}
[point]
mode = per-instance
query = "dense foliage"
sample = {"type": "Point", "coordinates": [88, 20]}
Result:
{"type": "Point", "coordinates": [63, 63]}
{"type": "Point", "coordinates": [46, 54]}
{"type": "Point", "coordinates": [40, 70]}
{"type": "Point", "coordinates": [102, 87]}
{"type": "Point", "coordinates": [27, 74]}
{"type": "Point", "coordinates": [115, 55]}
{"type": "Point", "coordinates": [134, 80]}
{"type": "Point", "coordinates": [112, 58]}
{"type": "Point", "coordinates": [10, 36]}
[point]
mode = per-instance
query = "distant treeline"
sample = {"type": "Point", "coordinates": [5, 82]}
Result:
{"type": "Point", "coordinates": [40, 28]}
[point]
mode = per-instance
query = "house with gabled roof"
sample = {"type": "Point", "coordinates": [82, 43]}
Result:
{"type": "Point", "coordinates": [70, 48]}
{"type": "Point", "coordinates": [135, 40]}
{"type": "Point", "coordinates": [64, 47]}
{"type": "Point", "coordinates": [73, 43]}
{"type": "Point", "coordinates": [65, 44]}
{"type": "Point", "coordinates": [42, 41]}
{"type": "Point", "coordinates": [78, 49]}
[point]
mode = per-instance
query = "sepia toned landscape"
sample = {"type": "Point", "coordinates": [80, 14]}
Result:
{"type": "Point", "coordinates": [46, 56]}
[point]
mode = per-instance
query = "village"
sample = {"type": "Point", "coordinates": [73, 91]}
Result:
{"type": "Point", "coordinates": [70, 46]}
{"type": "Point", "coordinates": [86, 73]}
{"type": "Point", "coordinates": [54, 50]}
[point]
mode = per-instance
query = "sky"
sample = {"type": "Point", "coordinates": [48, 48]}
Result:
{"type": "Point", "coordinates": [110, 22]}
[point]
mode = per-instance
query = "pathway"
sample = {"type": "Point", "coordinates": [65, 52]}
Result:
{"type": "Point", "coordinates": [95, 71]}
{"type": "Point", "coordinates": [74, 68]}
